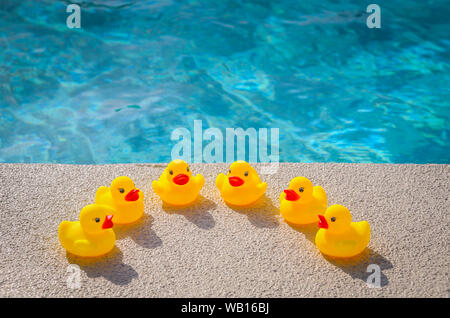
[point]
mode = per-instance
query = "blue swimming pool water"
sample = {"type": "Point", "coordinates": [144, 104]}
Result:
{"type": "Point", "coordinates": [114, 90]}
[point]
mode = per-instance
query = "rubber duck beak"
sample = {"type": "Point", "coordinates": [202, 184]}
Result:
{"type": "Point", "coordinates": [133, 195]}
{"type": "Point", "coordinates": [323, 224]}
{"type": "Point", "coordinates": [107, 224]}
{"type": "Point", "coordinates": [181, 179]}
{"type": "Point", "coordinates": [235, 181]}
{"type": "Point", "coordinates": [291, 195]}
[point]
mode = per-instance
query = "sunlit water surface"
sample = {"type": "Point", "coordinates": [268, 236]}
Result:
{"type": "Point", "coordinates": [114, 90]}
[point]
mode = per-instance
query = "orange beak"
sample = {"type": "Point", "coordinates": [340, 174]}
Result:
{"type": "Point", "coordinates": [107, 224]}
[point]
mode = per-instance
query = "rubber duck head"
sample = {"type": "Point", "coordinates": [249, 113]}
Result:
{"type": "Point", "coordinates": [300, 190]}
{"type": "Point", "coordinates": [94, 218]}
{"type": "Point", "coordinates": [123, 190]}
{"type": "Point", "coordinates": [337, 219]}
{"type": "Point", "coordinates": [242, 175]}
{"type": "Point", "coordinates": [178, 173]}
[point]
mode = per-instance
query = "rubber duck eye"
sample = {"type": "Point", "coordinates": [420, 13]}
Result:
{"type": "Point", "coordinates": [97, 220]}
{"type": "Point", "coordinates": [301, 189]}
{"type": "Point", "coordinates": [187, 169]}
{"type": "Point", "coordinates": [246, 173]}
{"type": "Point", "coordinates": [121, 190]}
{"type": "Point", "coordinates": [333, 219]}
{"type": "Point", "coordinates": [171, 172]}
{"type": "Point", "coordinates": [229, 171]}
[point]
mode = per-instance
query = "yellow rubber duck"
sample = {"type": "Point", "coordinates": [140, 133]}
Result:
{"type": "Point", "coordinates": [177, 186]}
{"type": "Point", "coordinates": [241, 186]}
{"type": "Point", "coordinates": [92, 235]}
{"type": "Point", "coordinates": [338, 236]}
{"type": "Point", "coordinates": [300, 203]}
{"type": "Point", "coordinates": [124, 198]}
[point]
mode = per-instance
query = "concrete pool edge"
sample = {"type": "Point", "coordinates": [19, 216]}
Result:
{"type": "Point", "coordinates": [406, 205]}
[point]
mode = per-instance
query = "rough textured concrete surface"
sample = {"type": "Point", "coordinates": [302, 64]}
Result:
{"type": "Point", "coordinates": [211, 250]}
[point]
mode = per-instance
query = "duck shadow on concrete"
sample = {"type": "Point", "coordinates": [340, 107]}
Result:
{"type": "Point", "coordinates": [308, 230]}
{"type": "Point", "coordinates": [263, 213]}
{"type": "Point", "coordinates": [196, 213]}
{"type": "Point", "coordinates": [109, 266]}
{"type": "Point", "coordinates": [140, 232]}
{"type": "Point", "coordinates": [356, 266]}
